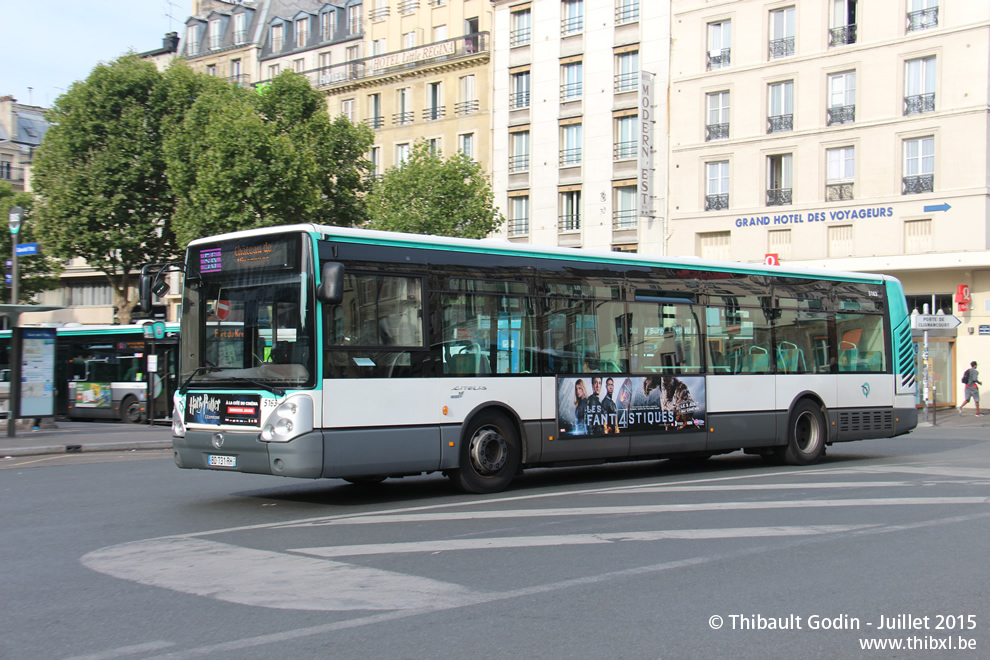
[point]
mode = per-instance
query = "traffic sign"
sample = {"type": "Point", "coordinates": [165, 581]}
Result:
{"type": "Point", "coordinates": [934, 322]}
{"type": "Point", "coordinates": [26, 248]}
{"type": "Point", "coordinates": [223, 309]}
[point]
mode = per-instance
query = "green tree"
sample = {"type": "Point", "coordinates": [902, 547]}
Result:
{"type": "Point", "coordinates": [429, 194]}
{"type": "Point", "coordinates": [37, 272]}
{"type": "Point", "coordinates": [100, 173]}
{"type": "Point", "coordinates": [255, 158]}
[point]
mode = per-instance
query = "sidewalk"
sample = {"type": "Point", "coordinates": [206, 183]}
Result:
{"type": "Point", "coordinates": [950, 417]}
{"type": "Point", "coordinates": [68, 437]}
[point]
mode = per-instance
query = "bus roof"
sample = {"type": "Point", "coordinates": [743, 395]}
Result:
{"type": "Point", "coordinates": [500, 247]}
{"type": "Point", "coordinates": [96, 329]}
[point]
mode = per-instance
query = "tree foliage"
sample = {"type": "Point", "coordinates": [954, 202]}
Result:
{"type": "Point", "coordinates": [256, 158]}
{"type": "Point", "coordinates": [429, 194]}
{"type": "Point", "coordinates": [37, 272]}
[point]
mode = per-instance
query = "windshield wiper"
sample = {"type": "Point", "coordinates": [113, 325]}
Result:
{"type": "Point", "coordinates": [196, 372]}
{"type": "Point", "coordinates": [277, 391]}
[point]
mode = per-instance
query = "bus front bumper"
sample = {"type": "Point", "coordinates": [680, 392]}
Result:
{"type": "Point", "coordinates": [244, 451]}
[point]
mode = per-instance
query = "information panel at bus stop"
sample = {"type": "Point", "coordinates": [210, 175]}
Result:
{"type": "Point", "coordinates": [37, 372]}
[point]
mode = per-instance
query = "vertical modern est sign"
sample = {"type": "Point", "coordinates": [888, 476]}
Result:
{"type": "Point", "coordinates": [644, 183]}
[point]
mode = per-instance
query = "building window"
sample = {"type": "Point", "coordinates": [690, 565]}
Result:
{"type": "Point", "coordinates": [626, 11]}
{"type": "Point", "coordinates": [380, 11]}
{"type": "Point", "coordinates": [465, 143]}
{"type": "Point", "coordinates": [919, 86]}
{"type": "Point", "coordinates": [572, 86]}
{"type": "Point", "coordinates": [627, 72]}
{"type": "Point", "coordinates": [922, 15]}
{"type": "Point", "coordinates": [719, 45]}
{"type": "Point", "coordinates": [780, 178]}
{"type": "Point", "coordinates": [840, 241]}
{"type": "Point", "coordinates": [235, 72]}
{"type": "Point", "coordinates": [468, 105]}
{"type": "Point", "coordinates": [408, 6]}
{"type": "Point", "coordinates": [569, 218]}
{"type": "Point", "coordinates": [302, 32]}
{"type": "Point", "coordinates": [439, 33]}
{"type": "Point", "coordinates": [626, 134]}
{"type": "Point", "coordinates": [328, 25]}
{"type": "Point", "coordinates": [401, 153]}
{"type": "Point", "coordinates": [325, 60]}
{"type": "Point", "coordinates": [779, 243]}
{"type": "Point", "coordinates": [434, 102]}
{"type": "Point", "coordinates": [435, 145]}
{"type": "Point", "coordinates": [216, 35]}
{"type": "Point", "coordinates": [519, 94]}
{"type": "Point", "coordinates": [354, 19]}
{"type": "Point", "coordinates": [277, 38]}
{"type": "Point", "coordinates": [717, 127]}
{"type": "Point", "coordinates": [375, 118]}
{"type": "Point", "coordinates": [624, 213]}
{"type": "Point", "coordinates": [572, 21]}
{"type": "Point", "coordinates": [375, 158]}
{"type": "Point", "coordinates": [780, 114]}
{"type": "Point", "coordinates": [347, 109]}
{"type": "Point", "coordinates": [192, 39]}
{"type": "Point", "coordinates": [404, 112]}
{"type": "Point", "coordinates": [299, 65]}
{"type": "Point", "coordinates": [715, 245]}
{"type": "Point", "coordinates": [570, 140]}
{"type": "Point", "coordinates": [843, 30]}
{"type": "Point", "coordinates": [273, 71]}
{"type": "Point", "coordinates": [781, 33]}
{"type": "Point", "coordinates": [211, 70]}
{"type": "Point", "coordinates": [919, 166]}
{"type": "Point", "coordinates": [519, 154]}
{"type": "Point", "coordinates": [409, 40]}
{"type": "Point", "coordinates": [841, 98]}
{"type": "Point", "coordinates": [240, 28]}
{"type": "Point", "coordinates": [518, 215]}
{"type": "Point", "coordinates": [717, 189]}
{"type": "Point", "coordinates": [917, 236]}
{"type": "Point", "coordinates": [841, 166]}
{"type": "Point", "coordinates": [521, 31]}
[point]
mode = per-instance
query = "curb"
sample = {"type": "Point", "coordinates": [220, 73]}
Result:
{"type": "Point", "coordinates": [81, 448]}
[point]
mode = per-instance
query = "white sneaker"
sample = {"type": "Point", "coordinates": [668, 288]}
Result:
{"type": "Point", "coordinates": [960, 410]}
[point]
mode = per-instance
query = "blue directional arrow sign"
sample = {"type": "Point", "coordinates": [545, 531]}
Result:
{"type": "Point", "coordinates": [27, 248]}
{"type": "Point", "coordinates": [937, 207]}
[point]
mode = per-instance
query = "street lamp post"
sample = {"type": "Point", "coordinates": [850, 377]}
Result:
{"type": "Point", "coordinates": [15, 227]}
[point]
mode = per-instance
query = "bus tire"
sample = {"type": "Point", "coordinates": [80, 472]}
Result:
{"type": "Point", "coordinates": [806, 435]}
{"type": "Point", "coordinates": [130, 410]}
{"type": "Point", "coordinates": [490, 455]}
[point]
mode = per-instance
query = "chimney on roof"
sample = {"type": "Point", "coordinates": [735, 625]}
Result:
{"type": "Point", "coordinates": [171, 42]}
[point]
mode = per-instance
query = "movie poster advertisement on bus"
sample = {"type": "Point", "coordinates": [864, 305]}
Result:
{"type": "Point", "coordinates": [603, 404]}
{"type": "Point", "coordinates": [234, 409]}
{"type": "Point", "coordinates": [93, 395]}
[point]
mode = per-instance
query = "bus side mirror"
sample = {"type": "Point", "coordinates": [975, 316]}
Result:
{"type": "Point", "coordinates": [331, 289]}
{"type": "Point", "coordinates": [145, 280]}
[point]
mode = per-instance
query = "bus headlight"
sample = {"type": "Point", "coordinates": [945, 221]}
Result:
{"type": "Point", "coordinates": [294, 417]}
{"type": "Point", "coordinates": [178, 413]}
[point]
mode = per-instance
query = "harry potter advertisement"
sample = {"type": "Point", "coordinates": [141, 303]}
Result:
{"type": "Point", "coordinates": [603, 404]}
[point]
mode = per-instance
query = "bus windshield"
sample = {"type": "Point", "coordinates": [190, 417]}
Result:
{"type": "Point", "coordinates": [248, 315]}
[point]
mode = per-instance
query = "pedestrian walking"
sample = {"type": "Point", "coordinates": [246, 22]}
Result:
{"type": "Point", "coordinates": [971, 381]}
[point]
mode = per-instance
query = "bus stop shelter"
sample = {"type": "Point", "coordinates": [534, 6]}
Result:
{"type": "Point", "coordinates": [13, 313]}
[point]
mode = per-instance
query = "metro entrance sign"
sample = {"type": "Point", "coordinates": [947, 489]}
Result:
{"type": "Point", "coordinates": [934, 322]}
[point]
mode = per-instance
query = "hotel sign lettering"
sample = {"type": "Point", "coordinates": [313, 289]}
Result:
{"type": "Point", "coordinates": [415, 55]}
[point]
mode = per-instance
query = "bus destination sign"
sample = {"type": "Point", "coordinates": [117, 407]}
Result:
{"type": "Point", "coordinates": [256, 253]}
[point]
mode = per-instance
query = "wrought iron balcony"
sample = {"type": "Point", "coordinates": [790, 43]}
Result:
{"type": "Point", "coordinates": [379, 14]}
{"type": "Point", "coordinates": [923, 19]}
{"type": "Point", "coordinates": [432, 114]}
{"type": "Point", "coordinates": [842, 35]}
{"type": "Point", "coordinates": [719, 60]}
{"type": "Point", "coordinates": [567, 223]}
{"type": "Point", "coordinates": [518, 100]}
{"type": "Point", "coordinates": [569, 157]}
{"type": "Point", "coordinates": [571, 25]}
{"type": "Point", "coordinates": [838, 192]}
{"type": "Point", "coordinates": [519, 163]}
{"type": "Point", "coordinates": [10, 173]}
{"type": "Point", "coordinates": [841, 114]}
{"type": "Point", "coordinates": [467, 107]}
{"type": "Point", "coordinates": [518, 226]}
{"type": "Point", "coordinates": [780, 123]}
{"type": "Point", "coordinates": [626, 12]}
{"type": "Point", "coordinates": [375, 122]}
{"type": "Point", "coordinates": [626, 82]}
{"type": "Point", "coordinates": [778, 196]}
{"type": "Point", "coordinates": [716, 132]}
{"type": "Point", "coordinates": [403, 118]}
{"type": "Point", "coordinates": [240, 80]}
{"type": "Point", "coordinates": [622, 150]}
{"type": "Point", "coordinates": [408, 6]}
{"type": "Point", "coordinates": [917, 184]}
{"type": "Point", "coordinates": [520, 36]}
{"type": "Point", "coordinates": [919, 103]}
{"type": "Point", "coordinates": [624, 219]}
{"type": "Point", "coordinates": [781, 48]}
{"type": "Point", "coordinates": [718, 202]}
{"type": "Point", "coordinates": [571, 91]}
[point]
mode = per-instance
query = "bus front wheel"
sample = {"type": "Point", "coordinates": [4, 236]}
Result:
{"type": "Point", "coordinates": [490, 455]}
{"type": "Point", "coordinates": [130, 411]}
{"type": "Point", "coordinates": [806, 435]}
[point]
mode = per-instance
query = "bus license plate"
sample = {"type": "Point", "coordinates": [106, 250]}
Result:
{"type": "Point", "coordinates": [223, 461]}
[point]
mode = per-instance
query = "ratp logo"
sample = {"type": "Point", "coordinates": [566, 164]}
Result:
{"type": "Point", "coordinates": [866, 389]}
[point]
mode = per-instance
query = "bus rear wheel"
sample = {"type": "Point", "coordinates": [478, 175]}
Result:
{"type": "Point", "coordinates": [130, 411]}
{"type": "Point", "coordinates": [490, 455]}
{"type": "Point", "coordinates": [806, 435]}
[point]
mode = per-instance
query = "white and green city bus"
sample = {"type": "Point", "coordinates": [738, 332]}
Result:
{"type": "Point", "coordinates": [325, 352]}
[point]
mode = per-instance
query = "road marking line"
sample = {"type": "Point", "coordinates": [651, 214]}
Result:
{"type": "Point", "coordinates": [808, 486]}
{"type": "Point", "coordinates": [124, 651]}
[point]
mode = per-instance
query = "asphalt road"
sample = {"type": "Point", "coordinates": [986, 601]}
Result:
{"type": "Point", "coordinates": [122, 555]}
